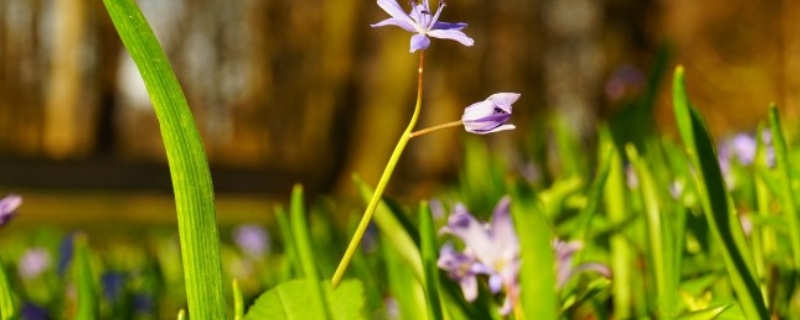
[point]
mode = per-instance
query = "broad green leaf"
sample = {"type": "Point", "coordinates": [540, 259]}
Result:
{"type": "Point", "coordinates": [700, 148]}
{"type": "Point", "coordinates": [191, 179]}
{"type": "Point", "coordinates": [430, 254]}
{"type": "Point", "coordinates": [291, 301]}
{"type": "Point", "coordinates": [538, 298]}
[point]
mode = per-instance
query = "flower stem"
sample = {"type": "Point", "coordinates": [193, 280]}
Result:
{"type": "Point", "coordinates": [418, 133]}
{"type": "Point", "coordinates": [384, 180]}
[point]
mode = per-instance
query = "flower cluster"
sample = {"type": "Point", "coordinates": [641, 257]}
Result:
{"type": "Point", "coordinates": [493, 249]}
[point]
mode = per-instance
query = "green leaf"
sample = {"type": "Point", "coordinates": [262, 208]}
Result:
{"type": "Point", "coordinates": [291, 301]}
{"type": "Point", "coordinates": [191, 179]}
{"type": "Point", "coordinates": [430, 253]}
{"type": "Point", "coordinates": [539, 298]}
{"type": "Point", "coordinates": [705, 314]}
{"type": "Point", "coordinates": [786, 191]}
{"type": "Point", "coordinates": [8, 309]}
{"type": "Point", "coordinates": [238, 301]}
{"type": "Point", "coordinates": [87, 293]}
{"type": "Point", "coordinates": [305, 250]}
{"type": "Point", "coordinates": [700, 148]}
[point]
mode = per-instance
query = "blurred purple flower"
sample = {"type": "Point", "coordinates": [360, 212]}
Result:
{"type": "Point", "coordinates": [65, 249]}
{"type": "Point", "coordinates": [33, 263]}
{"type": "Point", "coordinates": [252, 239]}
{"type": "Point", "coordinates": [8, 207]}
{"type": "Point", "coordinates": [143, 304]}
{"type": "Point", "coordinates": [631, 178]}
{"type": "Point", "coordinates": [31, 311]}
{"type": "Point", "coordinates": [492, 250]}
{"type": "Point", "coordinates": [625, 81]}
{"type": "Point", "coordinates": [564, 252]}
{"type": "Point", "coordinates": [113, 284]}
{"type": "Point", "coordinates": [491, 114]}
{"type": "Point", "coordinates": [423, 23]}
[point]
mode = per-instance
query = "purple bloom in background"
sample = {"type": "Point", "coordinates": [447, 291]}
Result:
{"type": "Point", "coordinates": [8, 207]}
{"type": "Point", "coordinates": [564, 252]}
{"type": "Point", "coordinates": [423, 23]}
{"type": "Point", "coordinates": [65, 249]}
{"type": "Point", "coordinates": [625, 81]}
{"type": "Point", "coordinates": [113, 284]}
{"type": "Point", "coordinates": [491, 114]}
{"type": "Point", "coordinates": [492, 250]}
{"type": "Point", "coordinates": [252, 239]}
{"type": "Point", "coordinates": [31, 311]}
{"type": "Point", "coordinates": [33, 263]}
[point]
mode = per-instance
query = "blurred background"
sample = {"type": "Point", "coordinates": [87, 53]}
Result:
{"type": "Point", "coordinates": [289, 91]}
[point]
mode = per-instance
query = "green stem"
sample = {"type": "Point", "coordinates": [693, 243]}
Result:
{"type": "Point", "coordinates": [387, 174]}
{"type": "Point", "coordinates": [418, 133]}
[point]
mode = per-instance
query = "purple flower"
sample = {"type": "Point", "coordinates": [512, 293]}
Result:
{"type": "Point", "coordinates": [423, 23]}
{"type": "Point", "coordinates": [492, 250]}
{"type": "Point", "coordinates": [252, 239]}
{"type": "Point", "coordinates": [8, 207]}
{"type": "Point", "coordinates": [564, 252]}
{"type": "Point", "coordinates": [113, 285]}
{"type": "Point", "coordinates": [33, 263]}
{"type": "Point", "coordinates": [491, 114]}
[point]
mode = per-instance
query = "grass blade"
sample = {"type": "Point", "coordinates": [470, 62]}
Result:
{"type": "Point", "coordinates": [537, 280]}
{"type": "Point", "coordinates": [302, 240]}
{"type": "Point", "coordinates": [87, 293]}
{"type": "Point", "coordinates": [700, 148]}
{"type": "Point", "coordinates": [427, 234]}
{"type": "Point", "coordinates": [191, 179]}
{"type": "Point", "coordinates": [786, 195]}
{"type": "Point", "coordinates": [8, 309]}
{"type": "Point", "coordinates": [238, 301]}
{"type": "Point", "coordinates": [617, 211]}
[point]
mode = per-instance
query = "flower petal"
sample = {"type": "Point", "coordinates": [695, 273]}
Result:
{"type": "Point", "coordinates": [474, 235]}
{"type": "Point", "coordinates": [502, 229]}
{"type": "Point", "coordinates": [393, 9]}
{"type": "Point", "coordinates": [419, 42]}
{"type": "Point", "coordinates": [504, 127]}
{"type": "Point", "coordinates": [504, 99]}
{"type": "Point", "coordinates": [439, 25]}
{"type": "Point", "coordinates": [469, 286]}
{"type": "Point", "coordinates": [407, 26]}
{"type": "Point", "coordinates": [452, 34]}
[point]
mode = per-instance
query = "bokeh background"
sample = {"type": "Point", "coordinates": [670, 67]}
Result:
{"type": "Point", "coordinates": [288, 91]}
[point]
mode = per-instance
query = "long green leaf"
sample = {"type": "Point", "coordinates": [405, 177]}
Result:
{"type": "Point", "coordinates": [305, 250]}
{"type": "Point", "coordinates": [87, 293]}
{"type": "Point", "coordinates": [538, 279]}
{"type": "Point", "coordinates": [8, 309]}
{"type": "Point", "coordinates": [786, 194]}
{"type": "Point", "coordinates": [238, 301]}
{"type": "Point", "coordinates": [191, 179]}
{"type": "Point", "coordinates": [427, 234]}
{"type": "Point", "coordinates": [700, 148]}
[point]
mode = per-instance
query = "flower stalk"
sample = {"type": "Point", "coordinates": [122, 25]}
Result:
{"type": "Point", "coordinates": [384, 180]}
{"type": "Point", "coordinates": [418, 133]}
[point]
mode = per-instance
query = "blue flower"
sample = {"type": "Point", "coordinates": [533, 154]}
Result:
{"type": "Point", "coordinates": [491, 114]}
{"type": "Point", "coordinates": [423, 23]}
{"type": "Point", "coordinates": [8, 207]}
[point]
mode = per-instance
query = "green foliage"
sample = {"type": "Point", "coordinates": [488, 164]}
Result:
{"type": "Point", "coordinates": [191, 179]}
{"type": "Point", "coordinates": [429, 256]}
{"type": "Point", "coordinates": [715, 200]}
{"type": "Point", "coordinates": [291, 301]}
{"type": "Point", "coordinates": [8, 309]}
{"type": "Point", "coordinates": [539, 298]}
{"type": "Point", "coordinates": [84, 278]}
